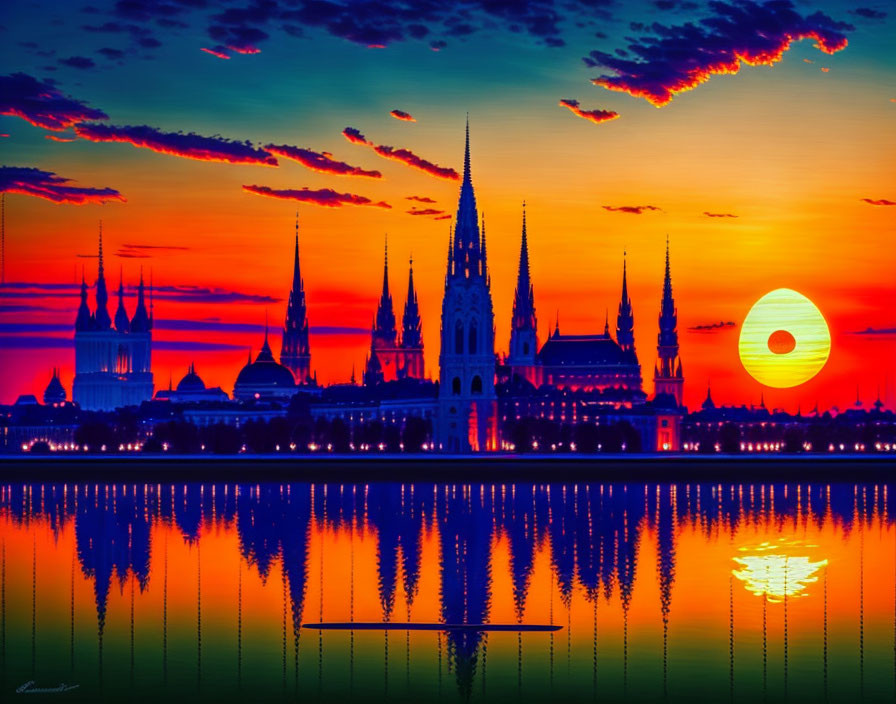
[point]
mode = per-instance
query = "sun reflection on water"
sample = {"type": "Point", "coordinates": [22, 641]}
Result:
{"type": "Point", "coordinates": [773, 570]}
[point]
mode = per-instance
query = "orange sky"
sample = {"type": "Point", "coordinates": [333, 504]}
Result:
{"type": "Point", "coordinates": [791, 164]}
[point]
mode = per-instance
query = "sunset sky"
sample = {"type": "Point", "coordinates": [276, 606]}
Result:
{"type": "Point", "coordinates": [776, 175]}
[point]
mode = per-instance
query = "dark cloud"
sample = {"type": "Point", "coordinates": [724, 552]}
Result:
{"type": "Point", "coordinates": [597, 116]}
{"type": "Point", "coordinates": [675, 5]}
{"type": "Point", "coordinates": [402, 115]}
{"type": "Point", "coordinates": [41, 104]}
{"type": "Point", "coordinates": [81, 62]}
{"type": "Point", "coordinates": [326, 197]}
{"type": "Point", "coordinates": [355, 137]}
{"type": "Point", "coordinates": [719, 215]}
{"type": "Point", "coordinates": [673, 59]}
{"type": "Point", "coordinates": [446, 216]}
{"type": "Point", "coordinates": [45, 184]}
{"type": "Point", "coordinates": [187, 145]}
{"type": "Point", "coordinates": [425, 211]}
{"type": "Point", "coordinates": [18, 290]}
{"type": "Point", "coordinates": [217, 325]}
{"type": "Point", "coordinates": [111, 54]}
{"type": "Point", "coordinates": [875, 332]}
{"type": "Point", "coordinates": [406, 156]}
{"type": "Point", "coordinates": [879, 201]}
{"type": "Point", "coordinates": [712, 327]}
{"type": "Point", "coordinates": [632, 209]}
{"type": "Point", "coordinates": [869, 13]}
{"type": "Point", "coordinates": [219, 51]}
{"type": "Point", "coordinates": [421, 199]}
{"type": "Point", "coordinates": [320, 161]}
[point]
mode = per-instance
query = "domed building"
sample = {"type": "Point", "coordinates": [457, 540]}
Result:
{"type": "Point", "coordinates": [191, 389]}
{"type": "Point", "coordinates": [55, 391]}
{"type": "Point", "coordinates": [264, 379]}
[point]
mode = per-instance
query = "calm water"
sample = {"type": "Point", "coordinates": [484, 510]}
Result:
{"type": "Point", "coordinates": [203, 591]}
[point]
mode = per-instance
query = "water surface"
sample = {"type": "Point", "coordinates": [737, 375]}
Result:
{"type": "Point", "coordinates": [203, 591]}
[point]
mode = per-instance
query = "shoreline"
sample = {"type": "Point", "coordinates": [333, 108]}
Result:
{"type": "Point", "coordinates": [451, 468]}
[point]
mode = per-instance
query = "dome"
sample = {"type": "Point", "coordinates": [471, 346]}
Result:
{"type": "Point", "coordinates": [191, 381]}
{"type": "Point", "coordinates": [55, 391]}
{"type": "Point", "coordinates": [265, 372]}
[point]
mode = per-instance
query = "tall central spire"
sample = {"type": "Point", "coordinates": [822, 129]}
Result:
{"type": "Point", "coordinates": [103, 321]}
{"type": "Point", "coordinates": [467, 249]}
{"type": "Point", "coordinates": [668, 313]}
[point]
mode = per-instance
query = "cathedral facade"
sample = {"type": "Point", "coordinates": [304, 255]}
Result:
{"type": "Point", "coordinates": [113, 359]}
{"type": "Point", "coordinates": [467, 404]}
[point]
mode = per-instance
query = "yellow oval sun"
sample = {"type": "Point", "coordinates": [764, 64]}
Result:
{"type": "Point", "coordinates": [784, 340]}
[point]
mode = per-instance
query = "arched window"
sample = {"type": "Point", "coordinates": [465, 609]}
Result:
{"type": "Point", "coordinates": [455, 386]}
{"type": "Point", "coordinates": [476, 385]}
{"type": "Point", "coordinates": [473, 340]}
{"type": "Point", "coordinates": [458, 337]}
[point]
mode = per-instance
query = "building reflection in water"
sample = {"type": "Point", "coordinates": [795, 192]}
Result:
{"type": "Point", "coordinates": [638, 578]}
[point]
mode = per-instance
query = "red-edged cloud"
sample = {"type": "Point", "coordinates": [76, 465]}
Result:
{"type": "Point", "coordinates": [189, 145]}
{"type": "Point", "coordinates": [319, 161]}
{"type": "Point", "coordinates": [674, 59]}
{"type": "Point", "coordinates": [41, 104]}
{"type": "Point", "coordinates": [57, 138]}
{"type": "Point", "coordinates": [219, 51]}
{"type": "Point", "coordinates": [632, 209]}
{"type": "Point", "coordinates": [402, 115]}
{"type": "Point", "coordinates": [406, 156]}
{"type": "Point", "coordinates": [45, 184]}
{"type": "Point", "coordinates": [326, 197]}
{"type": "Point", "coordinates": [719, 215]}
{"type": "Point", "coordinates": [355, 137]}
{"type": "Point", "coordinates": [597, 116]}
{"type": "Point", "coordinates": [421, 199]}
{"type": "Point", "coordinates": [825, 69]}
{"type": "Point", "coordinates": [879, 201]}
{"type": "Point", "coordinates": [245, 49]}
{"type": "Point", "coordinates": [425, 211]}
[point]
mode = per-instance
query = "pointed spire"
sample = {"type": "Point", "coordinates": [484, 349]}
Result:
{"type": "Point", "coordinates": [708, 404]}
{"type": "Point", "coordinates": [152, 311]}
{"type": "Point", "coordinates": [625, 319]}
{"type": "Point", "coordinates": [524, 296]}
{"type": "Point", "coordinates": [265, 354]}
{"type": "Point", "coordinates": [122, 324]}
{"type": "Point", "coordinates": [411, 335]}
{"type": "Point", "coordinates": [384, 332]}
{"type": "Point", "coordinates": [140, 322]}
{"type": "Point", "coordinates": [103, 321]}
{"type": "Point", "coordinates": [467, 250]}
{"type": "Point", "coordinates": [295, 351]}
{"type": "Point", "coordinates": [82, 322]}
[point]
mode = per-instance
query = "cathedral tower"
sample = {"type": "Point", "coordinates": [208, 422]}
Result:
{"type": "Point", "coordinates": [113, 366]}
{"type": "Point", "coordinates": [411, 331]}
{"type": "Point", "coordinates": [295, 352]}
{"type": "Point", "coordinates": [668, 377]}
{"type": "Point", "coordinates": [467, 402]}
{"type": "Point", "coordinates": [523, 327]}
